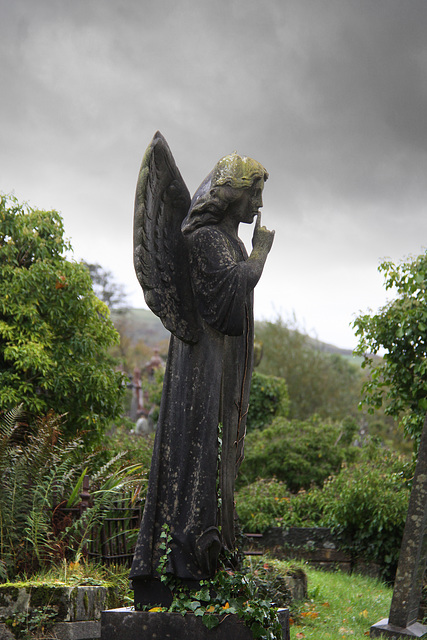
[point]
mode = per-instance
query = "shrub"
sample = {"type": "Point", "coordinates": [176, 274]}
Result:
{"type": "Point", "coordinates": [298, 453]}
{"type": "Point", "coordinates": [269, 503]}
{"type": "Point", "coordinates": [318, 382]}
{"type": "Point", "coordinates": [262, 504]}
{"type": "Point", "coordinates": [269, 399]}
{"type": "Point", "coordinates": [367, 505]}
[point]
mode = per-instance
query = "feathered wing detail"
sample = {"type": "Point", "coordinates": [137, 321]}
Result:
{"type": "Point", "coordinates": [161, 261]}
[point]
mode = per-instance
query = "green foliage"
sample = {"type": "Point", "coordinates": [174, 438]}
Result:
{"type": "Point", "coordinates": [231, 592]}
{"type": "Point", "coordinates": [154, 388]}
{"type": "Point", "coordinates": [54, 332]}
{"type": "Point", "coordinates": [268, 503]}
{"type": "Point", "coordinates": [269, 399]}
{"type": "Point", "coordinates": [367, 505]}
{"type": "Point", "coordinates": [298, 453]}
{"type": "Point", "coordinates": [24, 625]}
{"type": "Point", "coordinates": [121, 441]}
{"type": "Point", "coordinates": [400, 378]}
{"type": "Point", "coordinates": [318, 382]}
{"type": "Point", "coordinates": [38, 471]}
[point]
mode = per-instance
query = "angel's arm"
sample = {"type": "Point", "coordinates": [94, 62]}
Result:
{"type": "Point", "coordinates": [262, 241]}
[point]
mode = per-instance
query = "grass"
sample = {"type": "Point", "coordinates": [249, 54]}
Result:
{"type": "Point", "coordinates": [339, 606]}
{"type": "Point", "coordinates": [83, 573]}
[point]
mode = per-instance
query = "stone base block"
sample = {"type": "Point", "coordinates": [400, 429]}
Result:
{"type": "Point", "coordinates": [126, 624]}
{"type": "Point", "coordinates": [63, 631]}
{"type": "Point", "coordinates": [71, 604]}
{"type": "Point", "coordinates": [383, 628]}
{"type": "Point", "coordinates": [89, 630]}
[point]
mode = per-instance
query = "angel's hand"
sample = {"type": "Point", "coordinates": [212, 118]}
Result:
{"type": "Point", "coordinates": [262, 238]}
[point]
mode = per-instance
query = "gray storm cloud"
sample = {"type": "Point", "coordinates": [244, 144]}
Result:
{"type": "Point", "coordinates": [330, 95]}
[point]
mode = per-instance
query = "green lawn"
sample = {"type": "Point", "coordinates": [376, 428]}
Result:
{"type": "Point", "coordinates": [339, 606]}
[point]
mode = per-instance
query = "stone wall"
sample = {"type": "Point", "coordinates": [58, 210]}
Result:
{"type": "Point", "coordinates": [316, 545]}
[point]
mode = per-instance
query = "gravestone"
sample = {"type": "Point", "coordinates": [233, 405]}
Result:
{"type": "Point", "coordinates": [402, 620]}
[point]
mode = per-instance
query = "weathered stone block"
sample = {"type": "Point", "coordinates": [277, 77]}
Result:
{"type": "Point", "coordinates": [385, 630]}
{"type": "Point", "coordinates": [127, 624]}
{"type": "Point", "coordinates": [71, 604]}
{"type": "Point", "coordinates": [87, 630]}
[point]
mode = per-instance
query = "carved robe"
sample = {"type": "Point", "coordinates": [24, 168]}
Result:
{"type": "Point", "coordinates": [191, 483]}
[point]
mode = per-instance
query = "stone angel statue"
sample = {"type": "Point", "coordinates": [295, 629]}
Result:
{"type": "Point", "coordinates": [198, 278]}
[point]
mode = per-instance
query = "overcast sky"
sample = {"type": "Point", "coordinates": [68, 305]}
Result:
{"type": "Point", "coordinates": [329, 95]}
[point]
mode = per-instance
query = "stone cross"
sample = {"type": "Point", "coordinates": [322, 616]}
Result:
{"type": "Point", "coordinates": [402, 621]}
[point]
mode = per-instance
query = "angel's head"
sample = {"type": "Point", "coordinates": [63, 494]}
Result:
{"type": "Point", "coordinates": [231, 177]}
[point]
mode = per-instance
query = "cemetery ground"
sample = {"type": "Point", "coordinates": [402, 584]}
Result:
{"type": "Point", "coordinates": [337, 605]}
{"type": "Point", "coordinates": [312, 458]}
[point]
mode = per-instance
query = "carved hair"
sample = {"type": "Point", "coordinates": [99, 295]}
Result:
{"type": "Point", "coordinates": [224, 185]}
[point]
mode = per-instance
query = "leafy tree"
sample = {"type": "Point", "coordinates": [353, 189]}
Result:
{"type": "Point", "coordinates": [318, 382]}
{"type": "Point", "coordinates": [106, 288]}
{"type": "Point", "coordinates": [54, 332]}
{"type": "Point", "coordinates": [399, 379]}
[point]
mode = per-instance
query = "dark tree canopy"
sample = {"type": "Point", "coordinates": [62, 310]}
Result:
{"type": "Point", "coordinates": [54, 332]}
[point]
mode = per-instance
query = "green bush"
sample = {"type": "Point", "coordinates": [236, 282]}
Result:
{"type": "Point", "coordinates": [269, 399]}
{"type": "Point", "coordinates": [365, 504]}
{"type": "Point", "coordinates": [298, 453]}
{"type": "Point", "coordinates": [262, 504]}
{"type": "Point", "coordinates": [269, 503]}
{"type": "Point", "coordinates": [133, 448]}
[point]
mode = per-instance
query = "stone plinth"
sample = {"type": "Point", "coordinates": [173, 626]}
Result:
{"type": "Point", "coordinates": [386, 630]}
{"type": "Point", "coordinates": [74, 612]}
{"type": "Point", "coordinates": [126, 624]}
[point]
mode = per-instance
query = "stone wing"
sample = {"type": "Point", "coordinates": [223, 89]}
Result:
{"type": "Point", "coordinates": [161, 261]}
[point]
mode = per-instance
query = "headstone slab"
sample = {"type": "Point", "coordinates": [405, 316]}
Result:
{"type": "Point", "coordinates": [408, 585]}
{"type": "Point", "coordinates": [384, 629]}
{"type": "Point", "coordinates": [126, 624]}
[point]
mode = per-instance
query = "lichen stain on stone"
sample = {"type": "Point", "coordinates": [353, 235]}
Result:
{"type": "Point", "coordinates": [86, 602]}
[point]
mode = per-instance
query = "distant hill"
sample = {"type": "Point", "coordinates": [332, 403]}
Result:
{"type": "Point", "coordinates": [142, 324]}
{"type": "Point", "coordinates": [330, 348]}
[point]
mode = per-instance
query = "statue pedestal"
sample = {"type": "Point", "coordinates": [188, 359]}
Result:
{"type": "Point", "coordinates": [126, 624]}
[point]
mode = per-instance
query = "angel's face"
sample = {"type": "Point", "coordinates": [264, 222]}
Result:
{"type": "Point", "coordinates": [246, 207]}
